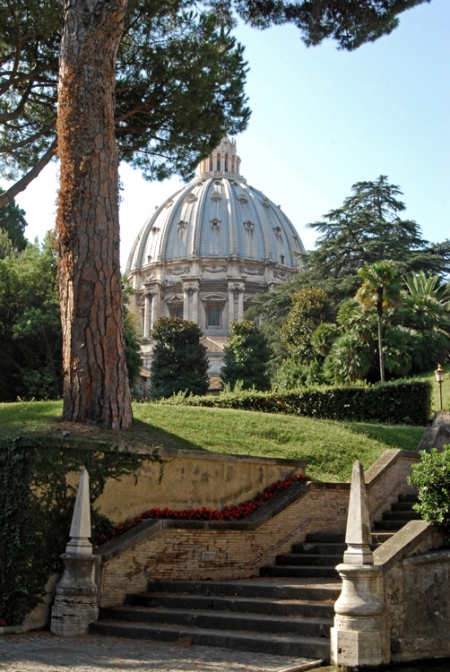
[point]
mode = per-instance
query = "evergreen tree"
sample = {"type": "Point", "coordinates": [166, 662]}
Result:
{"type": "Point", "coordinates": [367, 229]}
{"type": "Point", "coordinates": [246, 357]}
{"type": "Point", "coordinates": [179, 361]}
{"type": "Point", "coordinates": [13, 223]}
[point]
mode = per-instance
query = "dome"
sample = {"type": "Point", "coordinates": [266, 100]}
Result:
{"type": "Point", "coordinates": [210, 247]}
{"type": "Point", "coordinates": [217, 215]}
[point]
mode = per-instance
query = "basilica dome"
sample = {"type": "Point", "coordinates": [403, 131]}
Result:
{"type": "Point", "coordinates": [209, 248]}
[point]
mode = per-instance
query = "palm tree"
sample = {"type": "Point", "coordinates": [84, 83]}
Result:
{"type": "Point", "coordinates": [380, 290]}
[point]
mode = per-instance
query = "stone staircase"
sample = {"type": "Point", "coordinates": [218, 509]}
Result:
{"type": "Point", "coordinates": [287, 611]}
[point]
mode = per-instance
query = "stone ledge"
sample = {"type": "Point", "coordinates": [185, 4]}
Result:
{"type": "Point", "coordinates": [385, 462]}
{"type": "Point", "coordinates": [405, 541]}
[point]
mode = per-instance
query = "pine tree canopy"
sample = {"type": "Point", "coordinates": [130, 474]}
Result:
{"type": "Point", "coordinates": [180, 74]}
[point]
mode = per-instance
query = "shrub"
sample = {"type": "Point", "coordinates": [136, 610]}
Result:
{"type": "Point", "coordinates": [246, 357]}
{"type": "Point", "coordinates": [431, 476]}
{"type": "Point", "coordinates": [394, 403]}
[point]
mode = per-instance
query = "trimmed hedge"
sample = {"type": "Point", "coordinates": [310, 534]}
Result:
{"type": "Point", "coordinates": [403, 402]}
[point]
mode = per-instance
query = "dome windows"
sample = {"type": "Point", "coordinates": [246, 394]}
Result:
{"type": "Point", "coordinates": [169, 204]}
{"type": "Point", "coordinates": [249, 226]}
{"type": "Point", "coordinates": [216, 196]}
{"type": "Point", "coordinates": [182, 224]}
{"type": "Point", "coordinates": [215, 223]}
{"type": "Point", "coordinates": [190, 198]}
{"type": "Point", "coordinates": [242, 198]}
{"type": "Point", "coordinates": [265, 202]}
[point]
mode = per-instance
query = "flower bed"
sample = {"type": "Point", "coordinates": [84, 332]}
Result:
{"type": "Point", "coordinates": [230, 512]}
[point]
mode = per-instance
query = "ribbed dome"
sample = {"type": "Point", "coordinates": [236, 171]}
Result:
{"type": "Point", "coordinates": [208, 250]}
{"type": "Point", "coordinates": [217, 215]}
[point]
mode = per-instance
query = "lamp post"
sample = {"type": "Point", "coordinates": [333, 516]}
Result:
{"type": "Point", "coordinates": [439, 373]}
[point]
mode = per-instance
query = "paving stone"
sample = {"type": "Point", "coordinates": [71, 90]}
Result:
{"type": "Point", "coordinates": [44, 652]}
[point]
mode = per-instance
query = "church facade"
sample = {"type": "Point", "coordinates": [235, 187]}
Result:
{"type": "Point", "coordinates": [208, 249]}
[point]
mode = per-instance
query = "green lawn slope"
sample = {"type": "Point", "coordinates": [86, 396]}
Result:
{"type": "Point", "coordinates": [330, 447]}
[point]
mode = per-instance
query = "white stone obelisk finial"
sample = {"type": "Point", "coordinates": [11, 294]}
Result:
{"type": "Point", "coordinates": [358, 536]}
{"type": "Point", "coordinates": [80, 530]}
{"type": "Point", "coordinates": [76, 599]}
{"type": "Point", "coordinates": [360, 636]}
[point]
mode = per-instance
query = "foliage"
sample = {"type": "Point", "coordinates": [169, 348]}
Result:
{"type": "Point", "coordinates": [246, 357]}
{"type": "Point", "coordinates": [30, 327]}
{"type": "Point", "coordinates": [229, 512]}
{"type": "Point", "coordinates": [400, 402]}
{"type": "Point", "coordinates": [291, 375]}
{"type": "Point", "coordinates": [180, 73]}
{"type": "Point", "coordinates": [179, 86]}
{"type": "Point", "coordinates": [13, 222]}
{"type": "Point", "coordinates": [380, 289]}
{"type": "Point", "coordinates": [179, 360]}
{"type": "Point", "coordinates": [308, 311]}
{"type": "Point", "coordinates": [35, 512]}
{"type": "Point", "coordinates": [367, 228]}
{"type": "Point", "coordinates": [431, 476]}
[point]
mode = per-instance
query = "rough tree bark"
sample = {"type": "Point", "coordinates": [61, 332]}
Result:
{"type": "Point", "coordinates": [95, 376]}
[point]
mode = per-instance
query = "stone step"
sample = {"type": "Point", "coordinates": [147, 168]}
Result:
{"type": "Point", "coordinates": [404, 516]}
{"type": "Point", "coordinates": [297, 645]}
{"type": "Point", "coordinates": [221, 620]}
{"type": "Point", "coordinates": [408, 497]}
{"type": "Point", "coordinates": [388, 525]}
{"type": "Point", "coordinates": [301, 559]}
{"type": "Point", "coordinates": [402, 506]}
{"type": "Point", "coordinates": [255, 605]}
{"type": "Point", "coordinates": [291, 589]}
{"type": "Point", "coordinates": [306, 571]}
{"type": "Point", "coordinates": [325, 537]}
{"type": "Point", "coordinates": [322, 548]}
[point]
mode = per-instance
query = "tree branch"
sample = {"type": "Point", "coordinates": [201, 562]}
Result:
{"type": "Point", "coordinates": [9, 195]}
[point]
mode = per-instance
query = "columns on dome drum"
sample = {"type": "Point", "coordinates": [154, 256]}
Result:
{"type": "Point", "coordinates": [190, 300]}
{"type": "Point", "coordinates": [152, 306]}
{"type": "Point", "coordinates": [235, 301]}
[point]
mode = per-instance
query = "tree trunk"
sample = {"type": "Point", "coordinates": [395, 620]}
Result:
{"type": "Point", "coordinates": [380, 347]}
{"type": "Point", "coordinates": [94, 368]}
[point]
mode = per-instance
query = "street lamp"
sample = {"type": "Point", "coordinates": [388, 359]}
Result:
{"type": "Point", "coordinates": [440, 373]}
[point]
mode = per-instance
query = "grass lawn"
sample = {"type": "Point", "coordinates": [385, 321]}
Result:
{"type": "Point", "coordinates": [330, 447]}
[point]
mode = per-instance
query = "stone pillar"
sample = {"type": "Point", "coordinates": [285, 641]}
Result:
{"type": "Point", "coordinates": [76, 601]}
{"type": "Point", "coordinates": [155, 293]}
{"type": "Point", "coordinates": [360, 637]}
{"type": "Point", "coordinates": [190, 300]}
{"type": "Point", "coordinates": [240, 311]}
{"type": "Point", "coordinates": [147, 314]}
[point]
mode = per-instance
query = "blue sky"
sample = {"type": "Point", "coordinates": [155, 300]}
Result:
{"type": "Point", "coordinates": [322, 120]}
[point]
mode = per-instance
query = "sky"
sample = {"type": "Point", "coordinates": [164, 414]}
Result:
{"type": "Point", "coordinates": [322, 120]}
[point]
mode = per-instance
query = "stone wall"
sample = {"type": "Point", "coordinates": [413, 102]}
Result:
{"type": "Point", "coordinates": [416, 592]}
{"type": "Point", "coordinates": [181, 479]}
{"type": "Point", "coordinates": [197, 550]}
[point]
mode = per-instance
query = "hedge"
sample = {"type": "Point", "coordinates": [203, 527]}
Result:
{"type": "Point", "coordinates": [402, 402]}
